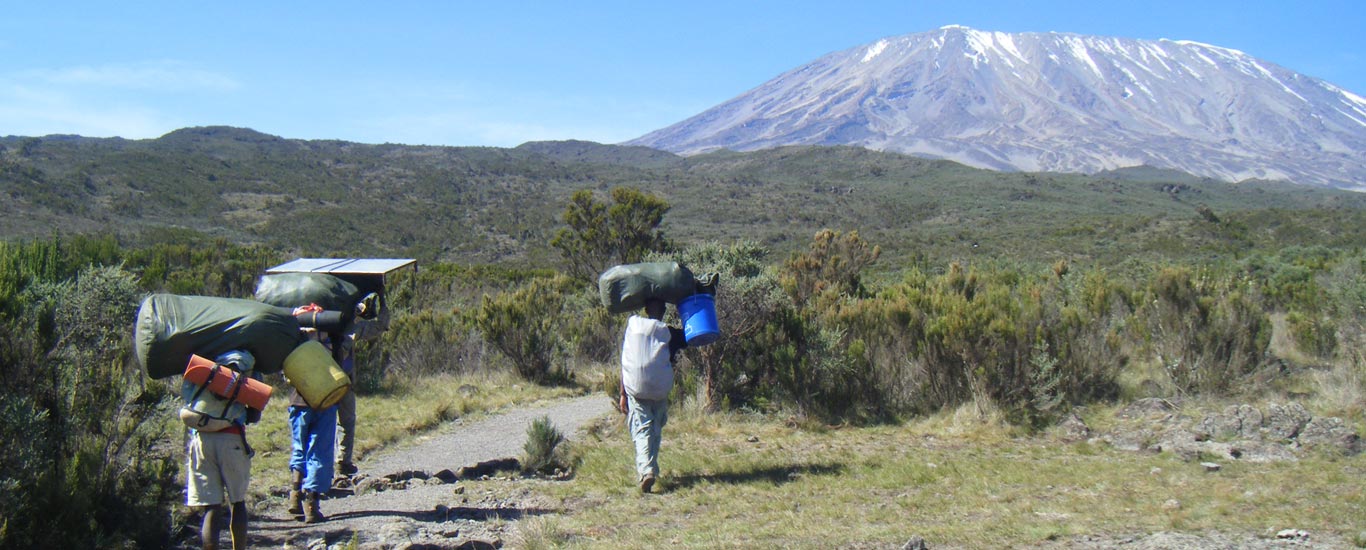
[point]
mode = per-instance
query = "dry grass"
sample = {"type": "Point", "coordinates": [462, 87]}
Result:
{"type": "Point", "coordinates": [1282, 344]}
{"type": "Point", "coordinates": [1341, 390]}
{"type": "Point", "coordinates": [960, 479]}
{"type": "Point", "coordinates": [957, 479]}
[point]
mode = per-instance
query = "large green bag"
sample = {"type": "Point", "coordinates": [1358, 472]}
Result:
{"type": "Point", "coordinates": [300, 289]}
{"type": "Point", "coordinates": [626, 287]}
{"type": "Point", "coordinates": [170, 328]}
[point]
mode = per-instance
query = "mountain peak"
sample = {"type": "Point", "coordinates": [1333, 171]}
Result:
{"type": "Point", "coordinates": [1226, 51]}
{"type": "Point", "coordinates": [1050, 102]}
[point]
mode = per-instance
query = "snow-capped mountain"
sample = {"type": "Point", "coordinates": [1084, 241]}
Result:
{"type": "Point", "coordinates": [1051, 102]}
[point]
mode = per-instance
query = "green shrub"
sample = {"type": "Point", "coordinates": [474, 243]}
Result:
{"type": "Point", "coordinates": [24, 468]}
{"type": "Point", "coordinates": [601, 235]}
{"type": "Point", "coordinates": [542, 440]}
{"type": "Point", "coordinates": [1207, 330]}
{"type": "Point", "coordinates": [93, 473]}
{"type": "Point", "coordinates": [834, 263]}
{"type": "Point", "coordinates": [1029, 343]}
{"type": "Point", "coordinates": [593, 334]}
{"type": "Point", "coordinates": [430, 342]}
{"type": "Point", "coordinates": [738, 367]}
{"type": "Point", "coordinates": [1315, 336]}
{"type": "Point", "coordinates": [524, 324]}
{"type": "Point", "coordinates": [1044, 392]}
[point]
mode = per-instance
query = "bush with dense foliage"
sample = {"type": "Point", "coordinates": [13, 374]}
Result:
{"type": "Point", "coordinates": [1207, 329]}
{"type": "Point", "coordinates": [525, 325]}
{"type": "Point", "coordinates": [84, 465]}
{"type": "Point", "coordinates": [602, 235]}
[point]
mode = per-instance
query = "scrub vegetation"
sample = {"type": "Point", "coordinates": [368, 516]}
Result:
{"type": "Point", "coordinates": [900, 335]}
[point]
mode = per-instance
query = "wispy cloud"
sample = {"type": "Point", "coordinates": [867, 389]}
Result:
{"type": "Point", "coordinates": [30, 112]}
{"type": "Point", "coordinates": [130, 100]}
{"type": "Point", "coordinates": [164, 76]}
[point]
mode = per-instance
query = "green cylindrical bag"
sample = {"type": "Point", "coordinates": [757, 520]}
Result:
{"type": "Point", "coordinates": [627, 287]}
{"type": "Point", "coordinates": [170, 328]}
{"type": "Point", "coordinates": [300, 289]}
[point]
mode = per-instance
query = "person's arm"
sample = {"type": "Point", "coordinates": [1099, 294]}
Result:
{"type": "Point", "coordinates": [677, 342]}
{"type": "Point", "coordinates": [365, 331]}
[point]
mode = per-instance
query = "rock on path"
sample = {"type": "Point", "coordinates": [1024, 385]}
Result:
{"type": "Point", "coordinates": [428, 510]}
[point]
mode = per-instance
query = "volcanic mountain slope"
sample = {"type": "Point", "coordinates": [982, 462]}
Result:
{"type": "Point", "coordinates": [1051, 102]}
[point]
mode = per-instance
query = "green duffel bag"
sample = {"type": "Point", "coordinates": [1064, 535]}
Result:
{"type": "Point", "coordinates": [170, 328]}
{"type": "Point", "coordinates": [627, 287]}
{"type": "Point", "coordinates": [300, 289]}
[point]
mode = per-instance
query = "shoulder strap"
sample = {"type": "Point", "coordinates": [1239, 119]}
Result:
{"type": "Point", "coordinates": [212, 372]}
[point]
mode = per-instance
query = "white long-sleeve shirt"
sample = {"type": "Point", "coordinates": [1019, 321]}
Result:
{"type": "Point", "coordinates": [646, 367]}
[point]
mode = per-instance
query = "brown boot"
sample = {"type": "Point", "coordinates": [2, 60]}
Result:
{"type": "Point", "coordinates": [312, 514]}
{"type": "Point", "coordinates": [296, 494]}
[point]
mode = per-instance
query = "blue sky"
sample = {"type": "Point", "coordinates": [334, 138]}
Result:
{"type": "Point", "coordinates": [503, 73]}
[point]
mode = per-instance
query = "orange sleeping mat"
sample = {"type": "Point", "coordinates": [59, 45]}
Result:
{"type": "Point", "coordinates": [227, 383]}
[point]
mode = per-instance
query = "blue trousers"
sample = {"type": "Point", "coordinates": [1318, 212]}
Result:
{"type": "Point", "coordinates": [315, 436]}
{"type": "Point", "coordinates": [645, 419]}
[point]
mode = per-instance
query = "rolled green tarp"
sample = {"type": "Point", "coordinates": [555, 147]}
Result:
{"type": "Point", "coordinates": [300, 289]}
{"type": "Point", "coordinates": [169, 328]}
{"type": "Point", "coordinates": [627, 287]}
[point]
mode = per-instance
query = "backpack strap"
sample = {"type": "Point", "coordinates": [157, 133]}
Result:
{"type": "Point", "coordinates": [247, 446]}
{"type": "Point", "coordinates": [238, 380]}
{"type": "Point", "coordinates": [204, 386]}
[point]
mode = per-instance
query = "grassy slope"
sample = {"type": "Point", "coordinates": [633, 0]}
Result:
{"type": "Point", "coordinates": [477, 205]}
{"type": "Point", "coordinates": [744, 482]}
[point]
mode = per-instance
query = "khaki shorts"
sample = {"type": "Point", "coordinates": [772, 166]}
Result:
{"type": "Point", "coordinates": [218, 462]}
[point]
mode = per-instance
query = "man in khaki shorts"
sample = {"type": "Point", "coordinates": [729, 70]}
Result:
{"type": "Point", "coordinates": [219, 460]}
{"type": "Point", "coordinates": [361, 330]}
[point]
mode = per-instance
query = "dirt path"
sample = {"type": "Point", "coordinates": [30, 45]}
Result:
{"type": "Point", "coordinates": [424, 507]}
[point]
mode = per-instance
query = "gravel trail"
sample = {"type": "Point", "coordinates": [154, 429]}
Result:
{"type": "Point", "coordinates": [428, 511]}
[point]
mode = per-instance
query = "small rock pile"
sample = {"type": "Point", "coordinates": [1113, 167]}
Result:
{"type": "Point", "coordinates": [462, 525]}
{"type": "Point", "coordinates": [399, 481]}
{"type": "Point", "coordinates": [1240, 432]}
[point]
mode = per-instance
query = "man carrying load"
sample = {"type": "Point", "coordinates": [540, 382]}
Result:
{"type": "Point", "coordinates": [313, 430]}
{"type": "Point", "coordinates": [647, 376]}
{"type": "Point", "coordinates": [354, 287]}
{"type": "Point", "coordinates": [219, 459]}
{"type": "Point", "coordinates": [649, 347]}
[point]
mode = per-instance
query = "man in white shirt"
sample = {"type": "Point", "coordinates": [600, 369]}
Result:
{"type": "Point", "coordinates": [647, 351]}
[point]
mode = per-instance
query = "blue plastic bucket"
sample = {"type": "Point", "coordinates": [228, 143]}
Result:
{"type": "Point", "coordinates": [699, 319]}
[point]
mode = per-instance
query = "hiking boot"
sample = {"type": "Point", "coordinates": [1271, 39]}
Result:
{"type": "Point", "coordinates": [312, 514]}
{"type": "Point", "coordinates": [296, 494]}
{"type": "Point", "coordinates": [647, 481]}
{"type": "Point", "coordinates": [296, 503]}
{"type": "Point", "coordinates": [347, 469]}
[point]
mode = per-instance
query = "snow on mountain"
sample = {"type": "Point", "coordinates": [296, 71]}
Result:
{"type": "Point", "coordinates": [1051, 102]}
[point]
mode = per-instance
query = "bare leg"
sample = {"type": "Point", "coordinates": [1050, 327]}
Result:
{"type": "Point", "coordinates": [239, 525]}
{"type": "Point", "coordinates": [211, 525]}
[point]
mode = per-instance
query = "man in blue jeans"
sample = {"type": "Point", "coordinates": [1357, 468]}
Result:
{"type": "Point", "coordinates": [647, 376]}
{"type": "Point", "coordinates": [314, 434]}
